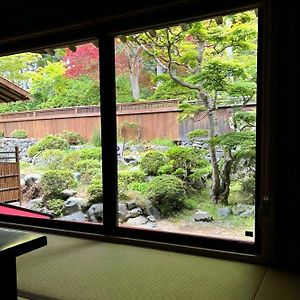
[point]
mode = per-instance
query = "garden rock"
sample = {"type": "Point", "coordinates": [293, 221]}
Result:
{"type": "Point", "coordinates": [123, 212]}
{"type": "Point", "coordinates": [140, 220]}
{"type": "Point", "coordinates": [239, 209]}
{"type": "Point", "coordinates": [202, 216]}
{"type": "Point", "coordinates": [72, 205]}
{"type": "Point", "coordinates": [76, 217]}
{"type": "Point", "coordinates": [224, 212]}
{"type": "Point", "coordinates": [131, 205]}
{"type": "Point", "coordinates": [95, 213]}
{"type": "Point", "coordinates": [31, 192]}
{"type": "Point", "coordinates": [67, 193]}
{"type": "Point", "coordinates": [133, 213]}
{"type": "Point", "coordinates": [31, 178]}
{"type": "Point", "coordinates": [151, 219]}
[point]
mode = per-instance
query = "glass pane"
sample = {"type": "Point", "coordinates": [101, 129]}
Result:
{"type": "Point", "coordinates": [50, 125]}
{"type": "Point", "coordinates": [186, 103]}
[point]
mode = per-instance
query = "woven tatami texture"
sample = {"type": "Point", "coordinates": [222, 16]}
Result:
{"type": "Point", "coordinates": [77, 269]}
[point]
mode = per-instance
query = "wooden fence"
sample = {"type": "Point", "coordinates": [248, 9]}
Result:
{"type": "Point", "coordinates": [154, 119]}
{"type": "Point", "coordinates": [10, 189]}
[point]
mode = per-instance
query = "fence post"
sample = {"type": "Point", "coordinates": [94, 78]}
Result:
{"type": "Point", "coordinates": [19, 175]}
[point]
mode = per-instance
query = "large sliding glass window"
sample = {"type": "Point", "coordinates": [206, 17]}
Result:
{"type": "Point", "coordinates": [186, 115]}
{"type": "Point", "coordinates": [50, 161]}
{"type": "Point", "coordinates": [177, 130]}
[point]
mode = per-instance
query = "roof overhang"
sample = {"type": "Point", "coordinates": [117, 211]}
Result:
{"type": "Point", "coordinates": [9, 92]}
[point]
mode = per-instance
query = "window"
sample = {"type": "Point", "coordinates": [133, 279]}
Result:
{"type": "Point", "coordinates": [51, 141]}
{"type": "Point", "coordinates": [186, 114]}
{"type": "Point", "coordinates": [181, 111]}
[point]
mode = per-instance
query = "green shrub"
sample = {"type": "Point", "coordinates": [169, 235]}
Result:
{"type": "Point", "coordinates": [87, 165]}
{"type": "Point", "coordinates": [1, 134]}
{"type": "Point", "coordinates": [95, 190]}
{"type": "Point", "coordinates": [128, 176]}
{"type": "Point", "coordinates": [166, 192]}
{"type": "Point", "coordinates": [90, 153]}
{"type": "Point", "coordinates": [138, 186]}
{"type": "Point", "coordinates": [51, 158]}
{"type": "Point", "coordinates": [187, 163]}
{"type": "Point", "coordinates": [56, 206]}
{"type": "Point", "coordinates": [19, 134]}
{"type": "Point", "coordinates": [48, 142]}
{"type": "Point", "coordinates": [163, 142]}
{"type": "Point", "coordinates": [73, 138]}
{"type": "Point", "coordinates": [248, 187]}
{"type": "Point", "coordinates": [152, 161]}
{"type": "Point", "coordinates": [86, 153]}
{"type": "Point", "coordinates": [53, 182]}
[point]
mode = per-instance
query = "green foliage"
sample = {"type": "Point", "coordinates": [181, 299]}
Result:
{"type": "Point", "coordinates": [83, 154]}
{"type": "Point", "coordinates": [197, 133]}
{"type": "Point", "coordinates": [76, 92]}
{"type": "Point", "coordinates": [87, 166]}
{"type": "Point", "coordinates": [56, 206]}
{"type": "Point", "coordinates": [166, 192]}
{"type": "Point", "coordinates": [123, 89]}
{"type": "Point", "coordinates": [16, 67]}
{"type": "Point", "coordinates": [73, 138]}
{"type": "Point", "coordinates": [189, 110]}
{"type": "Point", "coordinates": [169, 89]}
{"type": "Point", "coordinates": [248, 187]}
{"type": "Point", "coordinates": [163, 142]}
{"type": "Point", "coordinates": [48, 142]}
{"type": "Point", "coordinates": [96, 137]}
{"type": "Point", "coordinates": [51, 158]}
{"type": "Point", "coordinates": [232, 140]}
{"type": "Point", "coordinates": [19, 134]}
{"type": "Point", "coordinates": [243, 120]}
{"type": "Point", "coordinates": [141, 187]}
{"type": "Point", "coordinates": [1, 134]}
{"type": "Point", "coordinates": [152, 161]}
{"type": "Point", "coordinates": [95, 190]}
{"type": "Point", "coordinates": [53, 182]}
{"type": "Point", "coordinates": [128, 176]}
{"type": "Point", "coordinates": [187, 163]}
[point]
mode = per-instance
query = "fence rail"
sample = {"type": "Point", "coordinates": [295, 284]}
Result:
{"type": "Point", "coordinates": [155, 119]}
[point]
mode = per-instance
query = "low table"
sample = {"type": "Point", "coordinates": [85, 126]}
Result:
{"type": "Point", "coordinates": [12, 244]}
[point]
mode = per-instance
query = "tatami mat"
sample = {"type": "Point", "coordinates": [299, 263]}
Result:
{"type": "Point", "coordinates": [279, 285]}
{"type": "Point", "coordinates": [78, 269]}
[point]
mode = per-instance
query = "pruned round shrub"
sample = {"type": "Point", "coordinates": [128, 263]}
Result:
{"type": "Point", "coordinates": [51, 158]}
{"type": "Point", "coordinates": [95, 190]}
{"type": "Point", "coordinates": [128, 176]}
{"type": "Point", "coordinates": [19, 134]}
{"type": "Point", "coordinates": [56, 206]}
{"type": "Point", "coordinates": [48, 142]}
{"type": "Point", "coordinates": [85, 166]}
{"type": "Point", "coordinates": [73, 138]}
{"type": "Point", "coordinates": [152, 161]}
{"type": "Point", "coordinates": [86, 153]}
{"type": "Point", "coordinates": [166, 192]}
{"type": "Point", "coordinates": [53, 182]}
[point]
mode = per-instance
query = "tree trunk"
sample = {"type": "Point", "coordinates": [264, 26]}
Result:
{"type": "Point", "coordinates": [134, 81]}
{"type": "Point", "coordinates": [212, 131]}
{"type": "Point", "coordinates": [225, 177]}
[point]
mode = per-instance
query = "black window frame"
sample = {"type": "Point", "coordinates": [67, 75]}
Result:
{"type": "Point", "coordinates": [172, 241]}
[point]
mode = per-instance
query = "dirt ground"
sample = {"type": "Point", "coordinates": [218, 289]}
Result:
{"type": "Point", "coordinates": [208, 229]}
